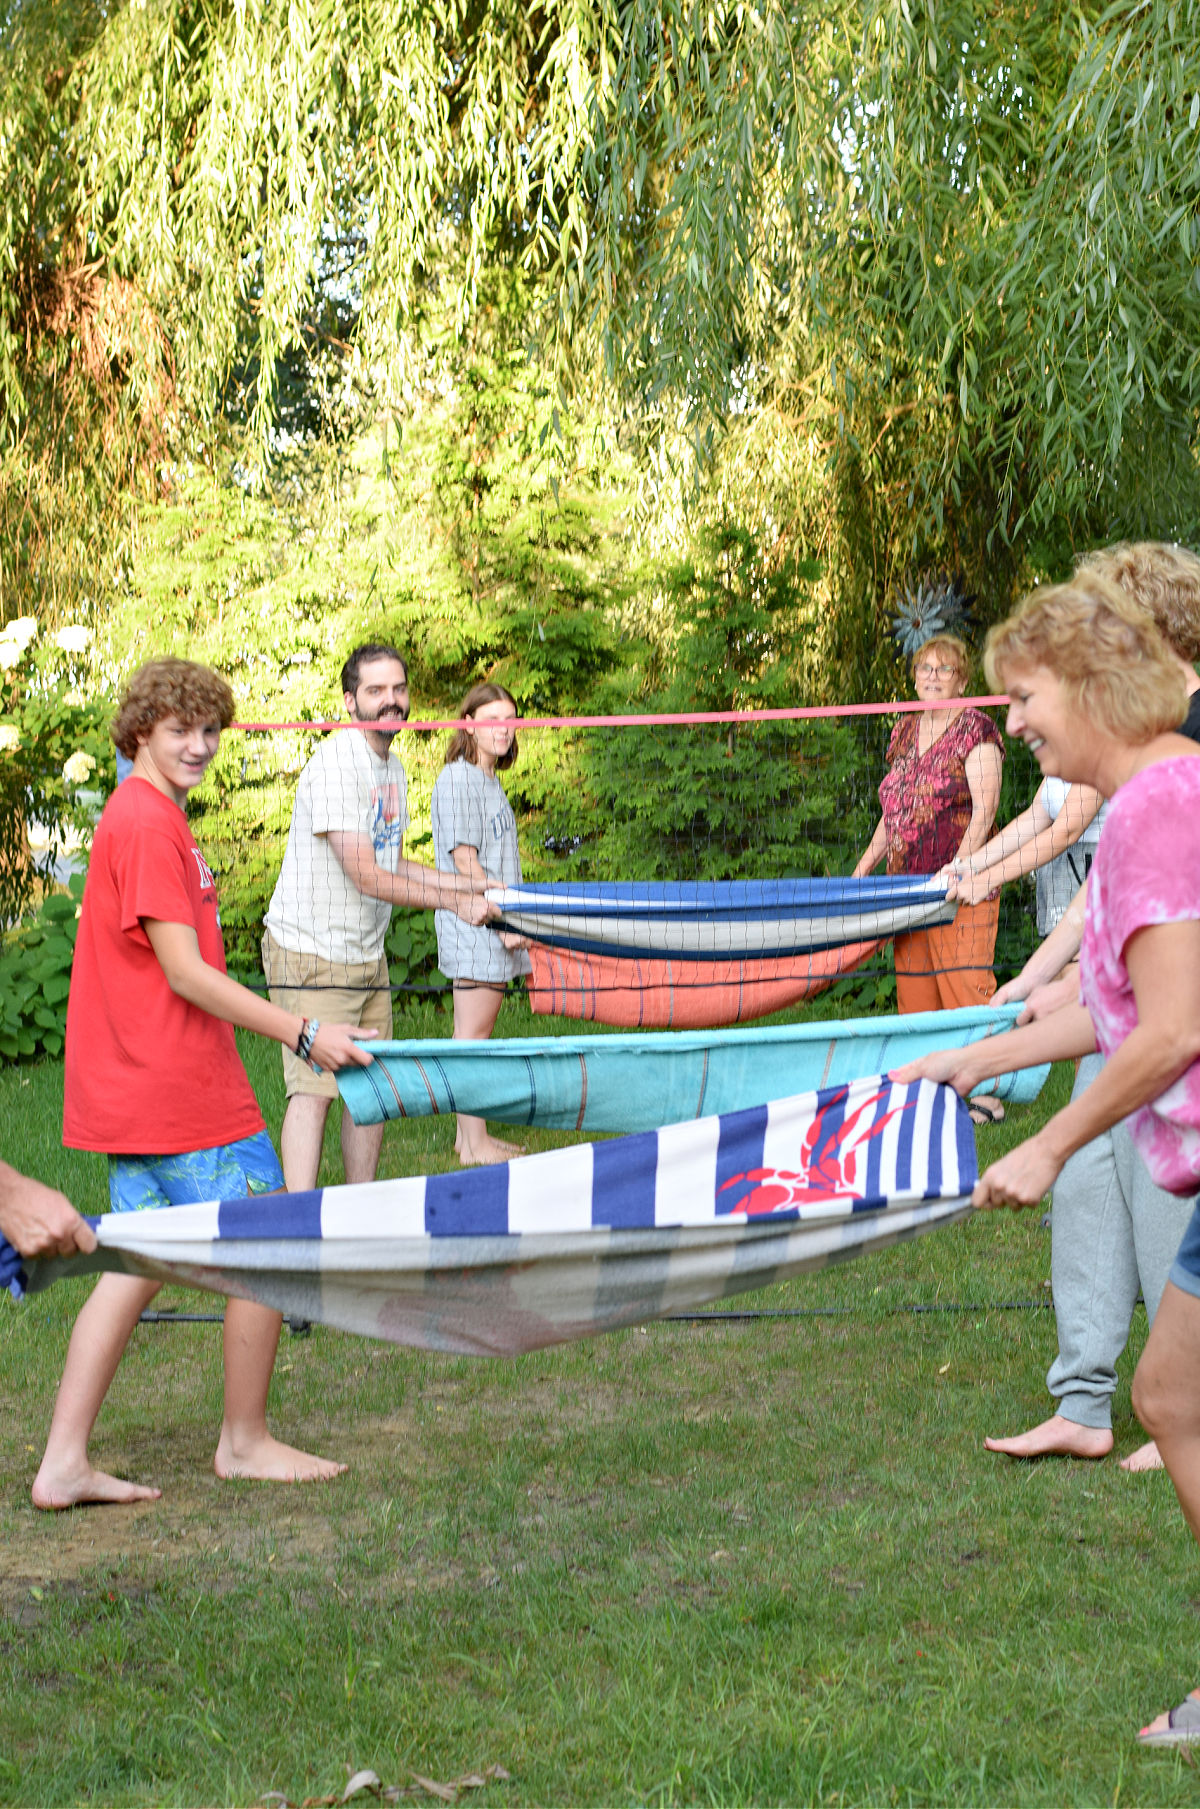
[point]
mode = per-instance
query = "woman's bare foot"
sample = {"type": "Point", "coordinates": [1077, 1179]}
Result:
{"type": "Point", "coordinates": [491, 1149]}
{"type": "Point", "coordinates": [1146, 1457]}
{"type": "Point", "coordinates": [55, 1490]}
{"type": "Point", "coordinates": [1174, 1727]}
{"type": "Point", "coordinates": [267, 1460]}
{"type": "Point", "coordinates": [1055, 1437]}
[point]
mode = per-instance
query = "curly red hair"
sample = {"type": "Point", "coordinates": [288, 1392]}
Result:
{"type": "Point", "coordinates": [169, 687]}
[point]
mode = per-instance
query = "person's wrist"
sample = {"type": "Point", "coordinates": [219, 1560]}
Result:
{"type": "Point", "coordinates": [974, 1074]}
{"type": "Point", "coordinates": [1051, 1144]}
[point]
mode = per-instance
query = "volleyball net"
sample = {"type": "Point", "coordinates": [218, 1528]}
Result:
{"type": "Point", "coordinates": [666, 802]}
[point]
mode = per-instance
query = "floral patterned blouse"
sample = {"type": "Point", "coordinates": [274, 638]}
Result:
{"type": "Point", "coordinates": [926, 798]}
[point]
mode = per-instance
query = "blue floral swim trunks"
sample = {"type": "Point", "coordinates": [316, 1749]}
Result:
{"type": "Point", "coordinates": [228, 1171]}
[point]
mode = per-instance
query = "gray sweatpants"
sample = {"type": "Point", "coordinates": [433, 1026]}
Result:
{"type": "Point", "coordinates": [1111, 1230]}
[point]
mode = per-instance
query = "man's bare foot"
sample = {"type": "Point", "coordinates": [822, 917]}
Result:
{"type": "Point", "coordinates": [1146, 1457]}
{"type": "Point", "coordinates": [492, 1149]}
{"type": "Point", "coordinates": [1055, 1437]}
{"type": "Point", "coordinates": [267, 1460]}
{"type": "Point", "coordinates": [58, 1489]}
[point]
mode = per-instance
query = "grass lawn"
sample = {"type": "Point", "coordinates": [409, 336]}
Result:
{"type": "Point", "coordinates": [745, 1561]}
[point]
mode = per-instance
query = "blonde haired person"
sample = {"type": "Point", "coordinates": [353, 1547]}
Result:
{"type": "Point", "coordinates": [1161, 578]}
{"type": "Point", "coordinates": [1113, 1233]}
{"type": "Point", "coordinates": [939, 800]}
{"type": "Point", "coordinates": [1164, 580]}
{"type": "Point", "coordinates": [475, 835]}
{"type": "Point", "coordinates": [1098, 696]}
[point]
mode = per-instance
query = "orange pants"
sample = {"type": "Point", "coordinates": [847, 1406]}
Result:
{"type": "Point", "coordinates": [950, 965]}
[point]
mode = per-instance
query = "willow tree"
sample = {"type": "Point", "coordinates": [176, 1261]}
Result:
{"type": "Point", "coordinates": [949, 251]}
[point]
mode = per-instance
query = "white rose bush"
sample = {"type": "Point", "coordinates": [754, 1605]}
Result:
{"type": "Point", "coordinates": [56, 765]}
{"type": "Point", "coordinates": [79, 768]}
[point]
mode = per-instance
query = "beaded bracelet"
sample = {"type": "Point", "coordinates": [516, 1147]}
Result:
{"type": "Point", "coordinates": [306, 1039]}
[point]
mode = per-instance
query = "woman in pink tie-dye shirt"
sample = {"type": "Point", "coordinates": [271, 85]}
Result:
{"type": "Point", "coordinates": [1097, 696]}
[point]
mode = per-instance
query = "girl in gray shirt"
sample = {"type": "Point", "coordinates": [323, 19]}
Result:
{"type": "Point", "coordinates": [475, 834]}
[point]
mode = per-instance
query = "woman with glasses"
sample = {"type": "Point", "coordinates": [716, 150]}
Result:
{"type": "Point", "coordinates": [939, 799]}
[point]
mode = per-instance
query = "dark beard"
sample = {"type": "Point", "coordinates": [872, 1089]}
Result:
{"type": "Point", "coordinates": [390, 714]}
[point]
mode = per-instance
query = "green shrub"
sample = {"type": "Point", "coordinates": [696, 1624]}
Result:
{"type": "Point", "coordinates": [35, 977]}
{"type": "Point", "coordinates": [411, 946]}
{"type": "Point", "coordinates": [56, 758]}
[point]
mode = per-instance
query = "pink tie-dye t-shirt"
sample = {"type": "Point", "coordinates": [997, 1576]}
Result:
{"type": "Point", "coordinates": [1147, 871]}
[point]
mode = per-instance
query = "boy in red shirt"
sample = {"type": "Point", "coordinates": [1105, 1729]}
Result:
{"type": "Point", "coordinates": [153, 1078]}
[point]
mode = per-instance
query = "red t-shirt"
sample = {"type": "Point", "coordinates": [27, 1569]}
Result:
{"type": "Point", "coordinates": [147, 1073]}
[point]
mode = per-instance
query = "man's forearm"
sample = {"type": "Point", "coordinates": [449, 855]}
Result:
{"type": "Point", "coordinates": [413, 884]}
{"type": "Point", "coordinates": [38, 1220]}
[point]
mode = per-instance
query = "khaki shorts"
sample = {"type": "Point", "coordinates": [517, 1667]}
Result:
{"type": "Point", "coordinates": [334, 992]}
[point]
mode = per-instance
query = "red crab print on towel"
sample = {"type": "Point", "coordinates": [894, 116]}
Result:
{"type": "Point", "coordinates": [830, 1156]}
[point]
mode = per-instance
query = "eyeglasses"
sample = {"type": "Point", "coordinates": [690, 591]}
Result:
{"type": "Point", "coordinates": [937, 671]}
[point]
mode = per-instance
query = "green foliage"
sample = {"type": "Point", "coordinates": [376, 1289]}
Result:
{"type": "Point", "coordinates": [35, 977]}
{"type": "Point", "coordinates": [710, 801]}
{"type": "Point", "coordinates": [411, 947]}
{"type": "Point", "coordinates": [915, 286]}
{"type": "Point", "coordinates": [741, 620]}
{"type": "Point", "coordinates": [531, 510]}
{"type": "Point", "coordinates": [704, 803]}
{"type": "Point", "coordinates": [56, 760]}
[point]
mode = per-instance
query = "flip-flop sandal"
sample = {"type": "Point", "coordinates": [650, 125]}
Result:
{"type": "Point", "coordinates": [1182, 1729]}
{"type": "Point", "coordinates": [986, 1110]}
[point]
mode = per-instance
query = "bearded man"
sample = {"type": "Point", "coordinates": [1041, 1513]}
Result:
{"type": "Point", "coordinates": [343, 870]}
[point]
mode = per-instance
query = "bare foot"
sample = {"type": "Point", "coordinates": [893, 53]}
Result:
{"type": "Point", "coordinates": [1160, 1732]}
{"type": "Point", "coordinates": [1146, 1457]}
{"type": "Point", "coordinates": [267, 1460]}
{"type": "Point", "coordinates": [492, 1149]}
{"type": "Point", "coordinates": [1055, 1437]}
{"type": "Point", "coordinates": [55, 1490]}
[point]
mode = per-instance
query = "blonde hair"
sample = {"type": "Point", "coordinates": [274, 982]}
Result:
{"type": "Point", "coordinates": [1113, 664]}
{"type": "Point", "coordinates": [945, 643]}
{"type": "Point", "coordinates": [1163, 579]}
{"type": "Point", "coordinates": [169, 687]}
{"type": "Point", "coordinates": [462, 743]}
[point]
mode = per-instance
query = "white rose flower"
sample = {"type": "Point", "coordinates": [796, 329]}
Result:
{"type": "Point", "coordinates": [10, 654]}
{"type": "Point", "coordinates": [10, 739]}
{"type": "Point", "coordinates": [78, 768]}
{"type": "Point", "coordinates": [73, 639]}
{"type": "Point", "coordinates": [22, 630]}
